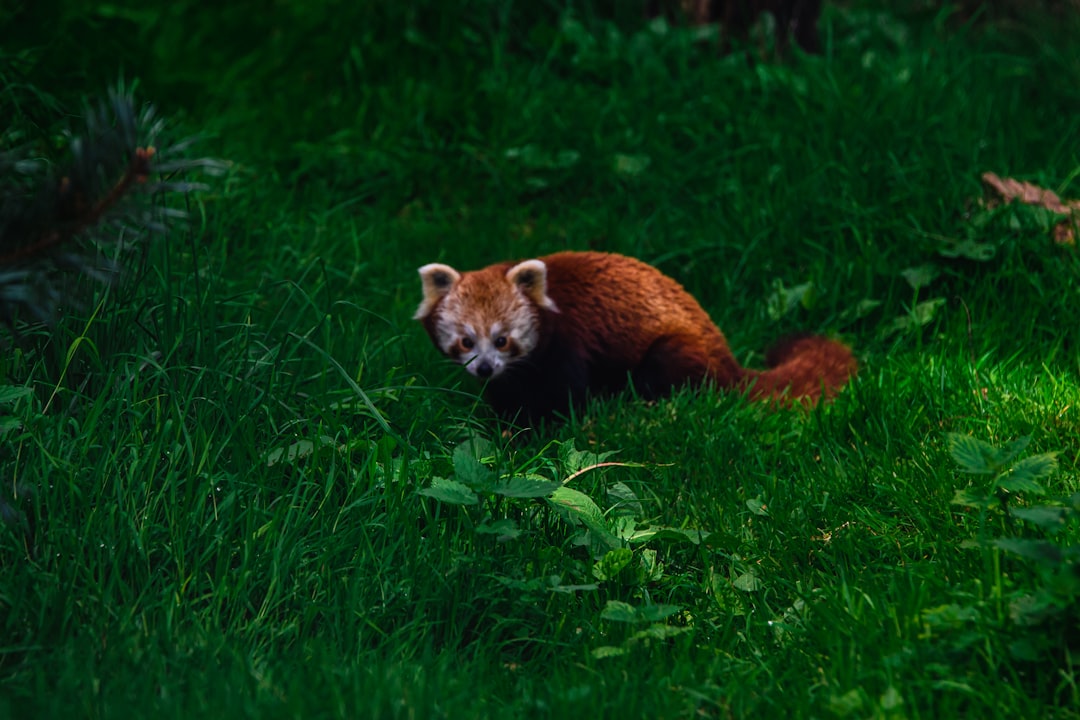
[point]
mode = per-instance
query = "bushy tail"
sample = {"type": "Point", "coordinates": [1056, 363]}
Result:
{"type": "Point", "coordinates": [802, 369]}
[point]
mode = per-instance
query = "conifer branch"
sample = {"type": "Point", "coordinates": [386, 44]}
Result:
{"type": "Point", "coordinates": [79, 217]}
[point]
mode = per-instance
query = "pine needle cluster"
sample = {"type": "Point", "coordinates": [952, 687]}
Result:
{"type": "Point", "coordinates": [112, 191]}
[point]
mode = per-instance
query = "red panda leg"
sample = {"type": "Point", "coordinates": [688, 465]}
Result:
{"type": "Point", "coordinates": [676, 360]}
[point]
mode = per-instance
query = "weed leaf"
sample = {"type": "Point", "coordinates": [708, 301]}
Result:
{"type": "Point", "coordinates": [785, 299]}
{"type": "Point", "coordinates": [659, 632]}
{"type": "Point", "coordinates": [919, 316]}
{"type": "Point", "coordinates": [469, 470]}
{"type": "Point", "coordinates": [969, 249]}
{"type": "Point", "coordinates": [623, 500]}
{"type": "Point", "coordinates": [920, 276]}
{"type": "Point", "coordinates": [450, 492]}
{"type": "Point", "coordinates": [506, 529]}
{"type": "Point", "coordinates": [619, 611]}
{"type": "Point", "coordinates": [1040, 550]}
{"type": "Point", "coordinates": [651, 567]}
{"type": "Point", "coordinates": [748, 582]}
{"type": "Point", "coordinates": [656, 613]}
{"type": "Point", "coordinates": [298, 450]}
{"type": "Point", "coordinates": [974, 455]}
{"type": "Point", "coordinates": [613, 562]}
{"type": "Point", "coordinates": [668, 533]}
{"type": "Point", "coordinates": [525, 486]}
{"type": "Point", "coordinates": [1051, 519]}
{"type": "Point", "coordinates": [1025, 474]}
{"type": "Point", "coordinates": [575, 461]}
{"type": "Point", "coordinates": [1014, 448]}
{"type": "Point", "coordinates": [577, 507]}
{"type": "Point", "coordinates": [970, 497]}
{"type": "Point", "coordinates": [606, 651]}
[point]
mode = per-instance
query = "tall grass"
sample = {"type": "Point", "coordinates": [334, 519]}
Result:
{"type": "Point", "coordinates": [218, 489]}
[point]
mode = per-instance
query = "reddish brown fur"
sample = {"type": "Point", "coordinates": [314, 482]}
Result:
{"type": "Point", "coordinates": [618, 319]}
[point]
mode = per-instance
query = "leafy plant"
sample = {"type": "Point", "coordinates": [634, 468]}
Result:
{"type": "Point", "coordinates": [1048, 610]}
{"type": "Point", "coordinates": [615, 537]}
{"type": "Point", "coordinates": [606, 533]}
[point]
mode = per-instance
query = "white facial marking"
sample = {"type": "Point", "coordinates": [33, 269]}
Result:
{"type": "Point", "coordinates": [487, 337]}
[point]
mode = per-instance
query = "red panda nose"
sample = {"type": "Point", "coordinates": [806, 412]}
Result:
{"type": "Point", "coordinates": [484, 369]}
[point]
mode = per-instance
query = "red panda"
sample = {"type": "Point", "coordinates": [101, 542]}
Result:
{"type": "Point", "coordinates": [546, 333]}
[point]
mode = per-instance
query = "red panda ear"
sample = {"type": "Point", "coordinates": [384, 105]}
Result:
{"type": "Point", "coordinates": [437, 280]}
{"type": "Point", "coordinates": [531, 277]}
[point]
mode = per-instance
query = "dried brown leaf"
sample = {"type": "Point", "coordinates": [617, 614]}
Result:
{"type": "Point", "coordinates": [1006, 190]}
{"type": "Point", "coordinates": [1010, 189]}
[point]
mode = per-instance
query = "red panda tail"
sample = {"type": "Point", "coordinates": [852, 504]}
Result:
{"type": "Point", "coordinates": [803, 369]}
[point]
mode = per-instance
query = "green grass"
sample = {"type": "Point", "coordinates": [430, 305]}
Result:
{"type": "Point", "coordinates": [213, 484]}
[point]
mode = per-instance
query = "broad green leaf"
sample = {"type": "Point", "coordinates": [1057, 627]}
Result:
{"type": "Point", "coordinates": [974, 455]}
{"type": "Point", "coordinates": [619, 611]}
{"type": "Point", "coordinates": [1047, 517]}
{"type": "Point", "coordinates": [469, 470]}
{"type": "Point", "coordinates": [523, 486]}
{"type": "Point", "coordinates": [757, 507]}
{"type": "Point", "coordinates": [1029, 609]}
{"type": "Point", "coordinates": [577, 507]}
{"type": "Point", "coordinates": [951, 615]}
{"type": "Point", "coordinates": [506, 529]}
{"type": "Point", "coordinates": [971, 497]}
{"type": "Point", "coordinates": [624, 527]}
{"type": "Point", "coordinates": [571, 589]}
{"type": "Point", "coordinates": [299, 449]}
{"type": "Point", "coordinates": [920, 276]}
{"type": "Point", "coordinates": [924, 312]}
{"type": "Point", "coordinates": [859, 310]}
{"type": "Point", "coordinates": [660, 632]}
{"type": "Point", "coordinates": [450, 491]}
{"type": "Point", "coordinates": [969, 249]}
{"type": "Point", "coordinates": [1039, 550]}
{"type": "Point", "coordinates": [573, 460]}
{"type": "Point", "coordinates": [748, 582]}
{"type": "Point", "coordinates": [606, 651]}
{"type": "Point", "coordinates": [11, 393]}
{"type": "Point", "coordinates": [1025, 474]}
{"type": "Point", "coordinates": [1012, 449]}
{"type": "Point", "coordinates": [651, 568]}
{"type": "Point", "coordinates": [613, 562]}
{"type": "Point", "coordinates": [785, 299]}
{"type": "Point", "coordinates": [667, 533]}
{"type": "Point", "coordinates": [9, 423]}
{"type": "Point", "coordinates": [891, 699]}
{"type": "Point", "coordinates": [847, 704]}
{"type": "Point", "coordinates": [623, 500]}
{"type": "Point", "coordinates": [918, 317]}
{"type": "Point", "coordinates": [1020, 484]}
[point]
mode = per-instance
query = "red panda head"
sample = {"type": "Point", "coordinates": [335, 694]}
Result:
{"type": "Point", "coordinates": [487, 319]}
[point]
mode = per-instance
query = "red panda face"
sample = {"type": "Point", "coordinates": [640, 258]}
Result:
{"type": "Point", "coordinates": [485, 320]}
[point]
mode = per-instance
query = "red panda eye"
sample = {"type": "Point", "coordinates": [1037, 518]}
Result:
{"type": "Point", "coordinates": [467, 343]}
{"type": "Point", "coordinates": [500, 342]}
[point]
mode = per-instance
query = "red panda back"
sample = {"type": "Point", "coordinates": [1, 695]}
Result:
{"type": "Point", "coordinates": [618, 307]}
